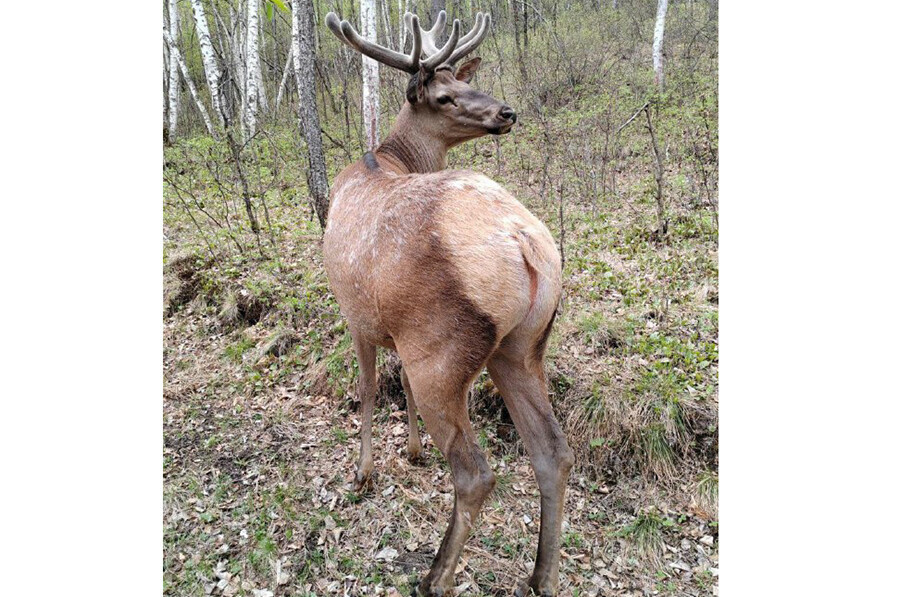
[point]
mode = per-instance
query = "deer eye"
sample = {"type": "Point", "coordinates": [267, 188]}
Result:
{"type": "Point", "coordinates": [445, 99]}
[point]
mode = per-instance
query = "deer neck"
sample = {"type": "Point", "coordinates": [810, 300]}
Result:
{"type": "Point", "coordinates": [412, 145]}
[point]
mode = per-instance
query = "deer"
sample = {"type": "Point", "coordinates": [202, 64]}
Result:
{"type": "Point", "coordinates": [450, 271]}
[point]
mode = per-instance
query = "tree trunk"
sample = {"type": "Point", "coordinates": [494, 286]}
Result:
{"type": "Point", "coordinates": [371, 106]}
{"type": "Point", "coordinates": [436, 7]}
{"type": "Point", "coordinates": [210, 66]}
{"type": "Point", "coordinates": [252, 67]}
{"type": "Point", "coordinates": [176, 56]}
{"type": "Point", "coordinates": [303, 47]}
{"type": "Point", "coordinates": [402, 8]}
{"type": "Point", "coordinates": [165, 126]}
{"type": "Point", "coordinates": [227, 87]}
{"type": "Point", "coordinates": [284, 77]}
{"type": "Point", "coordinates": [658, 31]}
{"type": "Point", "coordinates": [663, 223]}
{"type": "Point", "coordinates": [173, 72]}
{"type": "Point", "coordinates": [386, 23]}
{"type": "Point", "coordinates": [237, 62]}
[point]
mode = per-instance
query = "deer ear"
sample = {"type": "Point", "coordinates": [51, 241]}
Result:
{"type": "Point", "coordinates": [467, 70]}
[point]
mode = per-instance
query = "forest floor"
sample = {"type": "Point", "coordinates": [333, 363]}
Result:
{"type": "Point", "coordinates": [262, 431]}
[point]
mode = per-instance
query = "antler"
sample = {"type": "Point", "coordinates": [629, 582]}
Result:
{"type": "Point", "coordinates": [424, 51]}
{"type": "Point", "coordinates": [472, 39]}
{"type": "Point", "coordinates": [345, 32]}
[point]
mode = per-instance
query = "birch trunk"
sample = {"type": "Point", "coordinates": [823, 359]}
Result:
{"type": "Point", "coordinates": [252, 67]}
{"type": "Point", "coordinates": [176, 56]}
{"type": "Point", "coordinates": [371, 106]}
{"type": "Point", "coordinates": [166, 60]}
{"type": "Point", "coordinates": [303, 48]}
{"type": "Point", "coordinates": [173, 72]}
{"type": "Point", "coordinates": [227, 82]}
{"type": "Point", "coordinates": [402, 9]}
{"type": "Point", "coordinates": [210, 66]}
{"type": "Point", "coordinates": [658, 32]}
{"type": "Point", "coordinates": [238, 63]}
{"type": "Point", "coordinates": [288, 68]}
{"type": "Point", "coordinates": [386, 23]}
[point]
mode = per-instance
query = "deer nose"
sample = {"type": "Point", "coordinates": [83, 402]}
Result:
{"type": "Point", "coordinates": [507, 113]}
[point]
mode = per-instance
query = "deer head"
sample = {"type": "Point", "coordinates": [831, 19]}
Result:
{"type": "Point", "coordinates": [438, 92]}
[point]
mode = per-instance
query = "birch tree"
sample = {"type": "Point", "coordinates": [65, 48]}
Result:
{"type": "Point", "coordinates": [175, 54]}
{"type": "Point", "coordinates": [303, 48]}
{"type": "Point", "coordinates": [370, 104]}
{"type": "Point", "coordinates": [166, 60]}
{"type": "Point", "coordinates": [402, 9]}
{"type": "Point", "coordinates": [288, 69]}
{"type": "Point", "coordinates": [252, 67]}
{"type": "Point", "coordinates": [173, 71]}
{"type": "Point", "coordinates": [210, 65]}
{"type": "Point", "coordinates": [661, 7]}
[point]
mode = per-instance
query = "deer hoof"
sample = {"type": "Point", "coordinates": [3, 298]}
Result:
{"type": "Point", "coordinates": [363, 481]}
{"type": "Point", "coordinates": [414, 455]}
{"type": "Point", "coordinates": [420, 590]}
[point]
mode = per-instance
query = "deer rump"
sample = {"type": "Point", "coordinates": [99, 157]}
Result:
{"type": "Point", "coordinates": [451, 257]}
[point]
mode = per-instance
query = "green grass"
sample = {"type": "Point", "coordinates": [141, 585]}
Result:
{"type": "Point", "coordinates": [236, 351]}
{"type": "Point", "coordinates": [645, 534]}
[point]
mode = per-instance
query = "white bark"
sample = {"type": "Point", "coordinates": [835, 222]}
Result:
{"type": "Point", "coordinates": [252, 66]}
{"type": "Point", "coordinates": [386, 23]}
{"type": "Point", "coordinates": [165, 89]}
{"type": "Point", "coordinates": [401, 28]}
{"type": "Point", "coordinates": [288, 68]}
{"type": "Point", "coordinates": [210, 65]}
{"type": "Point", "coordinates": [176, 56]}
{"type": "Point", "coordinates": [238, 63]}
{"type": "Point", "coordinates": [173, 72]}
{"type": "Point", "coordinates": [371, 107]}
{"type": "Point", "coordinates": [658, 31]}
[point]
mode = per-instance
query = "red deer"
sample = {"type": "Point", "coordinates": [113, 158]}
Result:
{"type": "Point", "coordinates": [454, 274]}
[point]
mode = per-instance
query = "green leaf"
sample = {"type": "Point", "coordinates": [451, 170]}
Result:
{"type": "Point", "coordinates": [270, 11]}
{"type": "Point", "coordinates": [280, 5]}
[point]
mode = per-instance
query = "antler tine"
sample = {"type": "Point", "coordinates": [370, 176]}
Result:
{"type": "Point", "coordinates": [473, 39]}
{"type": "Point", "coordinates": [479, 17]}
{"type": "Point", "coordinates": [431, 36]}
{"type": "Point", "coordinates": [345, 32]}
{"type": "Point", "coordinates": [435, 60]}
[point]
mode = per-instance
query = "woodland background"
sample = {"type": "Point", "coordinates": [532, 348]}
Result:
{"type": "Point", "coordinates": [616, 150]}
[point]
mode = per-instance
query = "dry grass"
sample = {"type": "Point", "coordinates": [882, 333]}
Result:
{"type": "Point", "coordinates": [278, 343]}
{"type": "Point", "coordinates": [707, 492]}
{"type": "Point", "coordinates": [240, 308]}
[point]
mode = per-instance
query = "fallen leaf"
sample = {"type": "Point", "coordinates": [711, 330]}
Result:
{"type": "Point", "coordinates": [387, 554]}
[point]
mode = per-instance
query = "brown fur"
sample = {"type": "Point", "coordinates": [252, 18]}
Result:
{"type": "Point", "coordinates": [453, 273]}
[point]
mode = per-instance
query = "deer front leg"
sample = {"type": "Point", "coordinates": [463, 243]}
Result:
{"type": "Point", "coordinates": [365, 355]}
{"type": "Point", "coordinates": [414, 445]}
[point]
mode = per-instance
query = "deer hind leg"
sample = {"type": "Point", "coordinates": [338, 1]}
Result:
{"type": "Point", "coordinates": [518, 374]}
{"type": "Point", "coordinates": [442, 403]}
{"type": "Point", "coordinates": [365, 355]}
{"type": "Point", "coordinates": [414, 445]}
